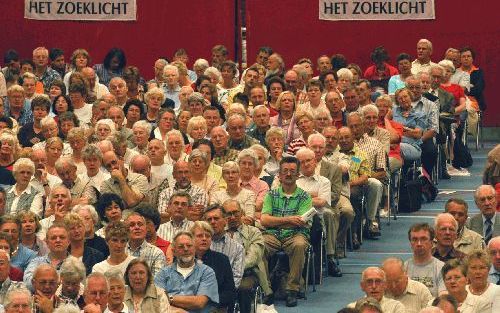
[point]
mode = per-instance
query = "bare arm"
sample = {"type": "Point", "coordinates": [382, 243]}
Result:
{"type": "Point", "coordinates": [285, 221]}
{"type": "Point", "coordinates": [190, 302]}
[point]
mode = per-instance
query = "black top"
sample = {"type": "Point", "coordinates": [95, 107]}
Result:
{"type": "Point", "coordinates": [99, 244]}
{"type": "Point", "coordinates": [27, 136]}
{"type": "Point", "coordinates": [224, 274]}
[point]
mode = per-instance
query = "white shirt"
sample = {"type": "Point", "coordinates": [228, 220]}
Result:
{"type": "Point", "coordinates": [84, 114]}
{"type": "Point", "coordinates": [36, 205]}
{"type": "Point", "coordinates": [161, 172]}
{"type": "Point", "coordinates": [51, 179]}
{"type": "Point", "coordinates": [97, 180]}
{"type": "Point", "coordinates": [316, 184]}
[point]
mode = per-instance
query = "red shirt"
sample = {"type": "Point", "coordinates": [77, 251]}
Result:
{"type": "Point", "coordinates": [15, 274]}
{"type": "Point", "coordinates": [371, 73]}
{"type": "Point", "coordinates": [395, 149]}
{"type": "Point", "coordinates": [162, 244]}
{"type": "Point", "coordinates": [456, 90]}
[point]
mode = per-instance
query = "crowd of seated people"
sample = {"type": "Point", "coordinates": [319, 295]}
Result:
{"type": "Point", "coordinates": [176, 193]}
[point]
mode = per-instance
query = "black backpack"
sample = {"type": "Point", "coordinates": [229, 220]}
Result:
{"type": "Point", "coordinates": [462, 157]}
{"type": "Point", "coordinates": [410, 192]}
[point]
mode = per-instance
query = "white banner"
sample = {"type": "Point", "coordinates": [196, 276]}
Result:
{"type": "Point", "coordinates": [81, 10]}
{"type": "Point", "coordinates": [338, 10]}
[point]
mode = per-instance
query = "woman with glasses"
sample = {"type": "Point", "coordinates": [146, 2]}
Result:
{"type": "Point", "coordinates": [478, 265]}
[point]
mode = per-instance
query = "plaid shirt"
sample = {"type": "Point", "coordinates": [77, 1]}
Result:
{"type": "Point", "coordinates": [246, 143]}
{"type": "Point", "coordinates": [227, 155]}
{"type": "Point", "coordinates": [105, 74]}
{"type": "Point", "coordinates": [374, 151]}
{"type": "Point", "coordinates": [48, 77]}
{"type": "Point", "coordinates": [277, 203]}
{"type": "Point", "coordinates": [151, 254]}
{"type": "Point", "coordinates": [169, 229]}
{"type": "Point", "coordinates": [234, 251]}
{"type": "Point", "coordinates": [198, 196]}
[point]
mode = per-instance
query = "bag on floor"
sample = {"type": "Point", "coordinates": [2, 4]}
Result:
{"type": "Point", "coordinates": [461, 155]}
{"type": "Point", "coordinates": [410, 196]}
{"type": "Point", "coordinates": [429, 190]}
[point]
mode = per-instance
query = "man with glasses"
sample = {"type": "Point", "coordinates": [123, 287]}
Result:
{"type": "Point", "coordinates": [45, 282]}
{"type": "Point", "coordinates": [18, 300]}
{"type": "Point", "coordinates": [374, 284]}
{"type": "Point", "coordinates": [238, 139]}
{"type": "Point", "coordinates": [486, 223]}
{"type": "Point", "coordinates": [446, 233]}
{"type": "Point", "coordinates": [177, 216]}
{"type": "Point", "coordinates": [422, 266]}
{"type": "Point", "coordinates": [285, 228]}
{"type": "Point", "coordinates": [96, 293]}
{"type": "Point", "coordinates": [131, 187]}
{"type": "Point", "coordinates": [494, 250]}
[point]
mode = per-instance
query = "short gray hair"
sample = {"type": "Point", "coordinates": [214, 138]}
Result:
{"type": "Point", "coordinates": [91, 151]}
{"type": "Point", "coordinates": [489, 187]}
{"type": "Point", "coordinates": [377, 269]}
{"type": "Point", "coordinates": [196, 97]}
{"type": "Point", "coordinates": [114, 275]}
{"type": "Point", "coordinates": [197, 153]}
{"type": "Point", "coordinates": [106, 121]}
{"type": "Point", "coordinates": [275, 131]}
{"type": "Point", "coordinates": [323, 111]}
{"type": "Point", "coordinates": [203, 226]}
{"type": "Point", "coordinates": [258, 147]}
{"type": "Point", "coordinates": [174, 132]}
{"type": "Point", "coordinates": [201, 63]}
{"type": "Point", "coordinates": [95, 275]}
{"type": "Point", "coordinates": [316, 136]}
{"type": "Point", "coordinates": [46, 121]}
{"type": "Point", "coordinates": [345, 73]}
{"type": "Point", "coordinates": [63, 161]}
{"type": "Point", "coordinates": [213, 71]}
{"type": "Point", "coordinates": [442, 216]}
{"type": "Point", "coordinates": [23, 162]}
{"type": "Point", "coordinates": [426, 41]}
{"type": "Point", "coordinates": [368, 108]}
{"type": "Point", "coordinates": [304, 151]}
{"type": "Point", "coordinates": [72, 268]}
{"type": "Point", "coordinates": [15, 291]}
{"type": "Point", "coordinates": [260, 106]}
{"type": "Point", "coordinates": [144, 125]}
{"type": "Point", "coordinates": [250, 154]}
{"type": "Point", "coordinates": [89, 208]}
{"type": "Point", "coordinates": [170, 67]}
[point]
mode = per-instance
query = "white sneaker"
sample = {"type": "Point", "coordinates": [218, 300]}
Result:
{"type": "Point", "coordinates": [383, 213]}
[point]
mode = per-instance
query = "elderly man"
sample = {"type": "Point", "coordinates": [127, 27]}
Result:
{"type": "Point", "coordinates": [223, 243]}
{"type": "Point", "coordinates": [116, 114]}
{"type": "Point", "coordinates": [59, 205]}
{"type": "Point", "coordinates": [374, 284]}
{"type": "Point", "coordinates": [494, 250]}
{"type": "Point", "coordinates": [152, 218]}
{"type": "Point", "coordinates": [199, 197]}
{"type": "Point", "coordinates": [45, 283]}
{"type": "Point", "coordinates": [351, 100]}
{"type": "Point", "coordinates": [17, 107]}
{"type": "Point", "coordinates": [285, 228]}
{"type": "Point", "coordinates": [171, 88]}
{"type": "Point", "coordinates": [160, 170]}
{"type": "Point", "coordinates": [261, 117]}
{"type": "Point", "coordinates": [422, 266]}
{"type": "Point", "coordinates": [318, 187]}
{"type": "Point", "coordinates": [57, 240]}
{"type": "Point", "coordinates": [139, 247]}
{"type": "Point", "coordinates": [82, 191]}
{"type": "Point", "coordinates": [430, 110]}
{"type": "Point", "coordinates": [43, 72]}
{"type": "Point", "coordinates": [446, 233]}
{"type": "Point", "coordinates": [423, 61]}
{"type": "Point", "coordinates": [412, 294]}
{"type": "Point", "coordinates": [223, 152]}
{"type": "Point", "coordinates": [196, 291]}
{"type": "Point", "coordinates": [238, 140]}
{"type": "Point", "coordinates": [467, 240]}
{"type": "Point", "coordinates": [117, 289]}
{"type": "Point", "coordinates": [175, 218]}
{"type": "Point", "coordinates": [92, 159]}
{"type": "Point", "coordinates": [42, 180]}
{"type": "Point", "coordinates": [18, 300]}
{"type": "Point", "coordinates": [97, 90]}
{"type": "Point", "coordinates": [378, 170]}
{"type": "Point", "coordinates": [132, 187]}
{"type": "Point", "coordinates": [141, 164]}
{"type": "Point", "coordinates": [5, 281]}
{"type": "Point", "coordinates": [486, 223]}
{"type": "Point", "coordinates": [252, 241]}
{"type": "Point", "coordinates": [96, 293]}
{"type": "Point", "coordinates": [118, 88]}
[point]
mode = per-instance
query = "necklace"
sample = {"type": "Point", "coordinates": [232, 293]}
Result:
{"type": "Point", "coordinates": [478, 292]}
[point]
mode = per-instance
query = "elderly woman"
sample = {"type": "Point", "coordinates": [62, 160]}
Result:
{"type": "Point", "coordinates": [286, 117]}
{"type": "Point", "coordinates": [305, 123]}
{"type": "Point", "coordinates": [109, 208]}
{"type": "Point", "coordinates": [214, 171]}
{"type": "Point", "coordinates": [72, 274]}
{"type": "Point", "coordinates": [219, 262]}
{"type": "Point", "coordinates": [314, 91]}
{"type": "Point", "coordinates": [77, 248]}
{"type": "Point", "coordinates": [54, 149]}
{"type": "Point", "coordinates": [413, 125]}
{"type": "Point", "coordinates": [196, 103]}
{"type": "Point", "coordinates": [322, 119]}
{"type": "Point", "coordinates": [141, 294]}
{"type": "Point", "coordinates": [90, 219]}
{"type": "Point", "coordinates": [9, 149]}
{"type": "Point", "coordinates": [345, 78]}
{"type": "Point", "coordinates": [199, 66]}
{"type": "Point", "coordinates": [154, 99]}
{"type": "Point", "coordinates": [18, 106]}
{"type": "Point", "coordinates": [165, 123]}
{"type": "Point", "coordinates": [117, 236]}
{"type": "Point", "coordinates": [142, 130]}
{"type": "Point", "coordinates": [104, 128]}
{"type": "Point", "coordinates": [198, 165]}
{"type": "Point", "coordinates": [28, 81]}
{"type": "Point", "coordinates": [263, 156]}
{"type": "Point", "coordinates": [246, 198]}
{"type": "Point", "coordinates": [175, 147]}
{"type": "Point", "coordinates": [50, 129]}
{"type": "Point", "coordinates": [456, 90]}
{"type": "Point", "coordinates": [77, 139]}
{"type": "Point", "coordinates": [275, 140]}
{"type": "Point", "coordinates": [197, 129]}
{"type": "Point", "coordinates": [478, 265]}
{"type": "Point", "coordinates": [455, 279]}
{"type": "Point", "coordinates": [134, 111]}
{"type": "Point", "coordinates": [30, 225]}
{"type": "Point", "coordinates": [248, 162]}
{"type": "Point", "coordinates": [80, 58]}
{"type": "Point", "coordinates": [214, 74]}
{"type": "Point", "coordinates": [22, 196]}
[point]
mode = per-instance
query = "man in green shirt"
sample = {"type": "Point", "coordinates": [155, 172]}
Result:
{"type": "Point", "coordinates": [285, 228]}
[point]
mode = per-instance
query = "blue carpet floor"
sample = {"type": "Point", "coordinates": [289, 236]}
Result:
{"type": "Point", "coordinates": [335, 293]}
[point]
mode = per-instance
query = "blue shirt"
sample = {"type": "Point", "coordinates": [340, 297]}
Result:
{"type": "Point", "coordinates": [201, 281]}
{"type": "Point", "coordinates": [23, 257]}
{"type": "Point", "coordinates": [414, 120]}
{"type": "Point", "coordinates": [26, 113]}
{"type": "Point", "coordinates": [30, 270]}
{"type": "Point", "coordinates": [395, 83]}
{"type": "Point", "coordinates": [173, 94]}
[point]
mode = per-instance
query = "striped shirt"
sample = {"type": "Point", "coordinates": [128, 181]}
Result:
{"type": "Point", "coordinates": [151, 254]}
{"type": "Point", "coordinates": [374, 151]}
{"type": "Point", "coordinates": [169, 229]}
{"type": "Point", "coordinates": [198, 196]}
{"type": "Point", "coordinates": [234, 251]}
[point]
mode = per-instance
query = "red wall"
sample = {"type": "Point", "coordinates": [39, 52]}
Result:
{"type": "Point", "coordinates": [293, 29]}
{"type": "Point", "coordinates": [162, 26]}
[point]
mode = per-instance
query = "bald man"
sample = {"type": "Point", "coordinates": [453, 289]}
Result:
{"type": "Point", "coordinates": [96, 89]}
